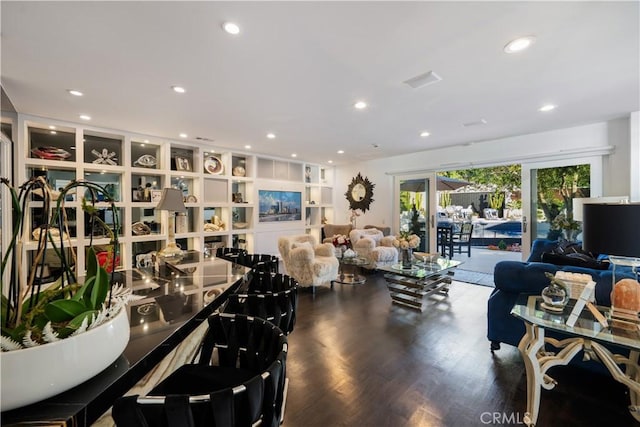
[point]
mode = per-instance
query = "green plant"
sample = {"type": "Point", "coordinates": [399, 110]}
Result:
{"type": "Point", "coordinates": [445, 199]}
{"type": "Point", "coordinates": [514, 204]}
{"type": "Point", "coordinates": [502, 245]}
{"type": "Point", "coordinates": [496, 200]}
{"type": "Point", "coordinates": [30, 313]}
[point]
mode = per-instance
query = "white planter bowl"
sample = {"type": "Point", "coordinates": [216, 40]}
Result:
{"type": "Point", "coordinates": [33, 374]}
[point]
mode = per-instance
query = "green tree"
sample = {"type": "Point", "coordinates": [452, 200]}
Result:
{"type": "Point", "coordinates": [557, 187]}
{"type": "Point", "coordinates": [506, 177]}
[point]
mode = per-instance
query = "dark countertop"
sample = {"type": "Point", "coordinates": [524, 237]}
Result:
{"type": "Point", "coordinates": [177, 299]}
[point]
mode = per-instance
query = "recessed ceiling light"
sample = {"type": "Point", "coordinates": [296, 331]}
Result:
{"type": "Point", "coordinates": [519, 44]}
{"type": "Point", "coordinates": [183, 135]}
{"type": "Point", "coordinates": [248, 147]}
{"type": "Point", "coordinates": [330, 161]}
{"type": "Point", "coordinates": [75, 92]}
{"type": "Point", "coordinates": [178, 89]}
{"type": "Point", "coordinates": [360, 105]}
{"type": "Point", "coordinates": [85, 117]}
{"type": "Point", "coordinates": [271, 135]}
{"type": "Point", "coordinates": [424, 134]}
{"type": "Point", "coordinates": [294, 155]}
{"type": "Point", "coordinates": [340, 151]}
{"type": "Point", "coordinates": [547, 107]}
{"type": "Point", "coordinates": [52, 127]}
{"type": "Point", "coordinates": [53, 132]}
{"type": "Point", "coordinates": [146, 141]}
{"type": "Point", "coordinates": [231, 28]}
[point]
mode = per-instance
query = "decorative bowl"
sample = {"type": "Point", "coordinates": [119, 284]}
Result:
{"type": "Point", "coordinates": [33, 374]}
{"type": "Point", "coordinates": [426, 256]}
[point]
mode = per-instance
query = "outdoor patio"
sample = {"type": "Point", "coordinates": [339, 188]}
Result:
{"type": "Point", "coordinates": [478, 268]}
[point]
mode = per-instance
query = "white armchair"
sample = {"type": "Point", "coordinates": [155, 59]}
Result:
{"type": "Point", "coordinates": [372, 245]}
{"type": "Point", "coordinates": [307, 262]}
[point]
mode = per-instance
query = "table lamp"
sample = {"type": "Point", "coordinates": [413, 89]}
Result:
{"type": "Point", "coordinates": [614, 230]}
{"type": "Point", "coordinates": [171, 201]}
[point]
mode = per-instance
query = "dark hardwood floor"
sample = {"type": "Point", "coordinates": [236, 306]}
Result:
{"type": "Point", "coordinates": [357, 360]}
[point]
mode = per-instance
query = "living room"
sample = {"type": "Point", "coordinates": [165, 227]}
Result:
{"type": "Point", "coordinates": [481, 108]}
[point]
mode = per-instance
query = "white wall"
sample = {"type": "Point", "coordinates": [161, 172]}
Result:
{"type": "Point", "coordinates": [634, 156]}
{"type": "Point", "coordinates": [617, 166]}
{"type": "Point", "coordinates": [562, 143]}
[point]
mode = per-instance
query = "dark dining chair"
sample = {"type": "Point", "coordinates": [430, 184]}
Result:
{"type": "Point", "coordinates": [237, 380]}
{"type": "Point", "coordinates": [462, 238]}
{"type": "Point", "coordinates": [445, 240]}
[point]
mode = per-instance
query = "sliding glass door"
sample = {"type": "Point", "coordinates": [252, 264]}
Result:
{"type": "Point", "coordinates": [416, 209]}
{"type": "Point", "coordinates": [548, 190]}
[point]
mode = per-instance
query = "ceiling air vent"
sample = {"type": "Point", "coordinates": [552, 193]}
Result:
{"type": "Point", "coordinates": [423, 80]}
{"type": "Point", "coordinates": [476, 123]}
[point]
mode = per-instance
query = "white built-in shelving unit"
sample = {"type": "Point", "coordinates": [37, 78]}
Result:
{"type": "Point", "coordinates": [217, 183]}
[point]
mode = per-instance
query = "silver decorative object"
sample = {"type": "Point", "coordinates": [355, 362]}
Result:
{"type": "Point", "coordinates": [146, 160]}
{"type": "Point", "coordinates": [105, 157]}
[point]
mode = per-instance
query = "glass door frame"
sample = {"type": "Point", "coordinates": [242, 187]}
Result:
{"type": "Point", "coordinates": [432, 204]}
{"type": "Point", "coordinates": [529, 189]}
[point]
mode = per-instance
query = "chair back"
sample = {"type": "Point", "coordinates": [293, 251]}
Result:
{"type": "Point", "coordinates": [238, 380]}
{"type": "Point", "coordinates": [490, 213]}
{"type": "Point", "coordinates": [372, 233]}
{"type": "Point", "coordinates": [330, 230]}
{"type": "Point", "coordinates": [287, 243]}
{"type": "Point", "coordinates": [465, 232]}
{"type": "Point", "coordinates": [386, 231]}
{"type": "Point", "coordinates": [273, 297]}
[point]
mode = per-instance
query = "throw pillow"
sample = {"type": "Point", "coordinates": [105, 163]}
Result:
{"type": "Point", "coordinates": [575, 260]}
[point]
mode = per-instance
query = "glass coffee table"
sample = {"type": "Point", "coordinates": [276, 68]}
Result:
{"type": "Point", "coordinates": [588, 335]}
{"type": "Point", "coordinates": [349, 273]}
{"type": "Point", "coordinates": [410, 286]}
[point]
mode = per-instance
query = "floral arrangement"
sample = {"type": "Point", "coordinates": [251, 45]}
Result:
{"type": "Point", "coordinates": [406, 241]}
{"type": "Point", "coordinates": [341, 240]}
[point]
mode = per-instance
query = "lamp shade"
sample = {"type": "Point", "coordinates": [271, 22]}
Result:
{"type": "Point", "coordinates": [172, 200]}
{"type": "Point", "coordinates": [579, 202]}
{"type": "Point", "coordinates": [612, 229]}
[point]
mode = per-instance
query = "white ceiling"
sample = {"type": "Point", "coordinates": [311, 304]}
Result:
{"type": "Point", "coordinates": [297, 68]}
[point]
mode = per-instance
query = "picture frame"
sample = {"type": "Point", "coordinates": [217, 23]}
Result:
{"type": "Point", "coordinates": [183, 164]}
{"type": "Point", "coordinates": [156, 196]}
{"type": "Point", "coordinates": [278, 206]}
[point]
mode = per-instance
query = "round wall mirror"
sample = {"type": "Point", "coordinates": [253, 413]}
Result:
{"type": "Point", "coordinates": [360, 193]}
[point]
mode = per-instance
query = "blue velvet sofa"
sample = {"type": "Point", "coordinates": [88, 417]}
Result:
{"type": "Point", "coordinates": [513, 278]}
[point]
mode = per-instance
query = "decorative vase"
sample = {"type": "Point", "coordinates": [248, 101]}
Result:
{"type": "Point", "coordinates": [405, 257]}
{"type": "Point", "coordinates": [33, 374]}
{"type": "Point", "coordinates": [555, 297]}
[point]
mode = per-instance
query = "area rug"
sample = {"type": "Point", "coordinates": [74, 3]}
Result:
{"type": "Point", "coordinates": [474, 277]}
